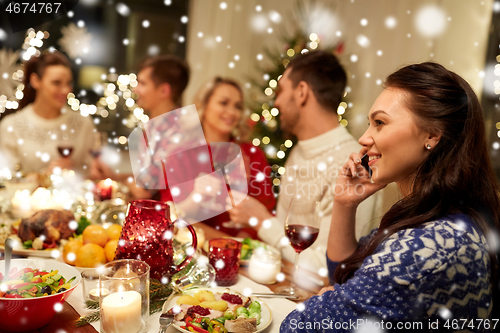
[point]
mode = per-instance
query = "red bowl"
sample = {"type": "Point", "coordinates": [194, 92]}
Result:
{"type": "Point", "coordinates": [26, 314]}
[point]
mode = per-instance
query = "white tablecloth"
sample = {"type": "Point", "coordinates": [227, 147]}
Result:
{"type": "Point", "coordinates": [280, 307]}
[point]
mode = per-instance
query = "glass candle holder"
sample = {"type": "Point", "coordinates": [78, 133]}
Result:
{"type": "Point", "coordinates": [126, 308]}
{"type": "Point", "coordinates": [224, 256]}
{"type": "Point", "coordinates": [91, 286]}
{"type": "Point", "coordinates": [264, 266]}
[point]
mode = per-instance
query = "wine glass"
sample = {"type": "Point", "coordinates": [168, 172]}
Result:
{"type": "Point", "coordinates": [100, 139]}
{"type": "Point", "coordinates": [235, 175]}
{"type": "Point", "coordinates": [65, 146]}
{"type": "Point", "coordinates": [237, 181]}
{"type": "Point", "coordinates": [301, 233]}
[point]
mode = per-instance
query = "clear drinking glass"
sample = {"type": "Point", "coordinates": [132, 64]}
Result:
{"type": "Point", "coordinates": [125, 308]}
{"type": "Point", "coordinates": [302, 231]}
{"type": "Point", "coordinates": [91, 286]}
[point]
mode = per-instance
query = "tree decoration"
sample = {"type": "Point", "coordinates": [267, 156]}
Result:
{"type": "Point", "coordinates": [10, 74]}
{"type": "Point", "coordinates": [75, 41]}
{"type": "Point", "coordinates": [8, 66]}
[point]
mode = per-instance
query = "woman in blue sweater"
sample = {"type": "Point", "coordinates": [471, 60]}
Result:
{"type": "Point", "coordinates": [432, 263]}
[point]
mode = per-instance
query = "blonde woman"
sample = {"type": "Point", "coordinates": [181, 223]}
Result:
{"type": "Point", "coordinates": [222, 114]}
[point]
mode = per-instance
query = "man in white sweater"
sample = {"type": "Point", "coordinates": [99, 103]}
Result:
{"type": "Point", "coordinates": [310, 91]}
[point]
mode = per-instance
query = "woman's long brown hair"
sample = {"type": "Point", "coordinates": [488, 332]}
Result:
{"type": "Point", "coordinates": [455, 177]}
{"type": "Point", "coordinates": [38, 65]}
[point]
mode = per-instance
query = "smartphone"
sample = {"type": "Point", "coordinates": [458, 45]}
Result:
{"type": "Point", "coordinates": [364, 163]}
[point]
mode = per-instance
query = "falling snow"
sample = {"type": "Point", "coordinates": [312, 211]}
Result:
{"type": "Point", "coordinates": [390, 22]}
{"type": "Point", "coordinates": [122, 9]}
{"type": "Point", "coordinates": [430, 21]}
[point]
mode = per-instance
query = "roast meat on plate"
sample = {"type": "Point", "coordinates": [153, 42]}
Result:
{"type": "Point", "coordinates": [53, 224]}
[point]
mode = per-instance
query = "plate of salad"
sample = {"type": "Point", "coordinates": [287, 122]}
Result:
{"type": "Point", "coordinates": [32, 290]}
{"type": "Point", "coordinates": [219, 310]}
{"type": "Point", "coordinates": [30, 283]}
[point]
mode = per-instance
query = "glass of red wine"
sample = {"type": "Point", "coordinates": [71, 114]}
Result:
{"type": "Point", "coordinates": [301, 229]}
{"type": "Point", "coordinates": [100, 140]}
{"type": "Point", "coordinates": [65, 146]}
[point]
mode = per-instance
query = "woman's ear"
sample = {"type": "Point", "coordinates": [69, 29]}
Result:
{"type": "Point", "coordinates": [433, 139]}
{"type": "Point", "coordinates": [35, 81]}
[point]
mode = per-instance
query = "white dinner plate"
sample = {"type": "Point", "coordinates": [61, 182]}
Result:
{"type": "Point", "coordinates": [34, 253]}
{"type": "Point", "coordinates": [265, 312]}
{"type": "Point", "coordinates": [80, 269]}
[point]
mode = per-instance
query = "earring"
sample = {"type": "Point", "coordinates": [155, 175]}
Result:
{"type": "Point", "coordinates": [428, 146]}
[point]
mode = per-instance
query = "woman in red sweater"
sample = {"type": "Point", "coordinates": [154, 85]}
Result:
{"type": "Point", "coordinates": [222, 114]}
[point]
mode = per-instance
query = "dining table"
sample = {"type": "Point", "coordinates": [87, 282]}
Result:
{"type": "Point", "coordinates": [64, 321]}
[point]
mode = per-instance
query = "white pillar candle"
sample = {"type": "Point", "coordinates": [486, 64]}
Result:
{"type": "Point", "coordinates": [121, 312]}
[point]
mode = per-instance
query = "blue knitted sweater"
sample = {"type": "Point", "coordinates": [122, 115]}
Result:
{"type": "Point", "coordinates": [431, 278]}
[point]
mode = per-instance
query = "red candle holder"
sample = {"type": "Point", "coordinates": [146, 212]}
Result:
{"type": "Point", "coordinates": [224, 255]}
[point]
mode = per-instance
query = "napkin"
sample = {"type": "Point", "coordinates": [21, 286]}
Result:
{"type": "Point", "coordinates": [280, 307]}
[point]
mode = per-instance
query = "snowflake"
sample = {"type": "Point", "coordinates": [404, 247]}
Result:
{"type": "Point", "coordinates": [8, 65]}
{"type": "Point", "coordinates": [75, 41]}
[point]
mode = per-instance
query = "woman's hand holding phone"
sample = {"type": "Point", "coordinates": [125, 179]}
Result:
{"type": "Point", "coordinates": [354, 182]}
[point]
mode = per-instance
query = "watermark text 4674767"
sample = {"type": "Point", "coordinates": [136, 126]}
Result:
{"type": "Point", "coordinates": [24, 14]}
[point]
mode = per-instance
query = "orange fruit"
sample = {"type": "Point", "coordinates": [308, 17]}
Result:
{"type": "Point", "coordinates": [69, 251]}
{"type": "Point", "coordinates": [95, 234]}
{"type": "Point", "coordinates": [90, 255]}
{"type": "Point", "coordinates": [114, 231]}
{"type": "Point", "coordinates": [110, 249]}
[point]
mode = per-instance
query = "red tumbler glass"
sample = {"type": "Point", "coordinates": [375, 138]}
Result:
{"type": "Point", "coordinates": [224, 255]}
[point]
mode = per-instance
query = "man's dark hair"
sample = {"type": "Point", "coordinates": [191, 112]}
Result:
{"type": "Point", "coordinates": [323, 73]}
{"type": "Point", "coordinates": [169, 69]}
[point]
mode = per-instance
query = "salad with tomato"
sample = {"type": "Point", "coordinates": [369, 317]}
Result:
{"type": "Point", "coordinates": [29, 283]}
{"type": "Point", "coordinates": [204, 325]}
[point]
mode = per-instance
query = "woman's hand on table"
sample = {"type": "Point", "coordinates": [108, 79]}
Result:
{"type": "Point", "coordinates": [62, 163]}
{"type": "Point", "coordinates": [207, 185]}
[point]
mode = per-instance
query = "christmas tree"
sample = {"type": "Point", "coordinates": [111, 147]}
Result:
{"type": "Point", "coordinates": [264, 119]}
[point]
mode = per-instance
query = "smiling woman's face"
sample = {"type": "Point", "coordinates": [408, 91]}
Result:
{"type": "Point", "coordinates": [395, 143]}
{"type": "Point", "coordinates": [54, 85]}
{"type": "Point", "coordinates": [224, 110]}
